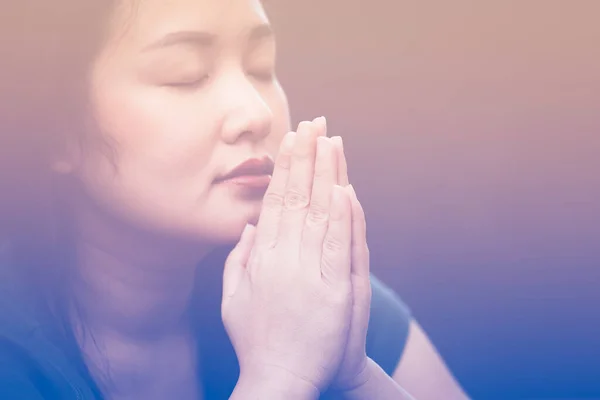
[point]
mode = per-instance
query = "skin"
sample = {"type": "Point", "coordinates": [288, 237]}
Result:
{"type": "Point", "coordinates": [288, 301]}
{"type": "Point", "coordinates": [181, 109]}
{"type": "Point", "coordinates": [422, 371]}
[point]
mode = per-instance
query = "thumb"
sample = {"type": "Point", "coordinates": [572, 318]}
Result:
{"type": "Point", "coordinates": [235, 265]}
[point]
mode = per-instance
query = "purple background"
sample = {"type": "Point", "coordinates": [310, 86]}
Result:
{"type": "Point", "coordinates": [473, 135]}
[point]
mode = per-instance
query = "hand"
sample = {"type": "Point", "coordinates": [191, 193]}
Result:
{"type": "Point", "coordinates": [287, 295]}
{"type": "Point", "coordinates": [354, 369]}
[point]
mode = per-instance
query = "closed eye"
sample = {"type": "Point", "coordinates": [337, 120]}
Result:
{"type": "Point", "coordinates": [188, 83]}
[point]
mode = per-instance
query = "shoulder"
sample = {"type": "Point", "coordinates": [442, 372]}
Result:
{"type": "Point", "coordinates": [32, 366]}
{"type": "Point", "coordinates": [27, 356]}
{"type": "Point", "coordinates": [388, 326]}
{"type": "Point", "coordinates": [17, 369]}
{"type": "Point", "coordinates": [18, 379]}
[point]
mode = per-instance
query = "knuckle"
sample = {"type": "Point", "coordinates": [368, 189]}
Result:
{"type": "Point", "coordinates": [332, 244]}
{"type": "Point", "coordinates": [295, 200]}
{"type": "Point", "coordinates": [272, 200]}
{"type": "Point", "coordinates": [321, 171]}
{"type": "Point", "coordinates": [283, 162]}
{"type": "Point", "coordinates": [300, 154]}
{"type": "Point", "coordinates": [317, 215]}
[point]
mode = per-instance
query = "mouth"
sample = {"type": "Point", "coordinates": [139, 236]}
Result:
{"type": "Point", "coordinates": [253, 173]}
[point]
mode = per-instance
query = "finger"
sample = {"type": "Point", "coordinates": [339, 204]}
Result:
{"type": "Point", "coordinates": [342, 166]}
{"type": "Point", "coordinates": [268, 223]}
{"type": "Point", "coordinates": [299, 186]}
{"type": "Point", "coordinates": [336, 257]}
{"type": "Point", "coordinates": [317, 219]}
{"type": "Point", "coordinates": [360, 249]}
{"type": "Point", "coordinates": [320, 126]}
{"type": "Point", "coordinates": [235, 265]}
{"type": "Point", "coordinates": [361, 282]}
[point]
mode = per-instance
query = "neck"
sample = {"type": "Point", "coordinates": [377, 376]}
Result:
{"type": "Point", "coordinates": [130, 299]}
{"type": "Point", "coordinates": [132, 284]}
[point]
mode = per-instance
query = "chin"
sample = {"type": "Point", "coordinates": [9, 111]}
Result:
{"type": "Point", "coordinates": [228, 229]}
{"type": "Point", "coordinates": [221, 220]}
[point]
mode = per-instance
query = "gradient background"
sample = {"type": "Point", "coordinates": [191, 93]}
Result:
{"type": "Point", "coordinates": [473, 134]}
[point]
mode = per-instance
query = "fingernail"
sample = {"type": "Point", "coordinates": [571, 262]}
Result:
{"type": "Point", "coordinates": [247, 229]}
{"type": "Point", "coordinates": [336, 199]}
{"type": "Point", "coordinates": [321, 126]}
{"type": "Point", "coordinates": [338, 141]}
{"type": "Point", "coordinates": [304, 127]}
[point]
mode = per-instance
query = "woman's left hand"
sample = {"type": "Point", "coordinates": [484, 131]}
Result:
{"type": "Point", "coordinates": [354, 369]}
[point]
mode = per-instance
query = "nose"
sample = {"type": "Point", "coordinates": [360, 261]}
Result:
{"type": "Point", "coordinates": [247, 113]}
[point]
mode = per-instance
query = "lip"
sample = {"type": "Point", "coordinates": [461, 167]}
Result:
{"type": "Point", "coordinates": [254, 172]}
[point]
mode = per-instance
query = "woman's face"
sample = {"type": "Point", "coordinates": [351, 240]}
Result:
{"type": "Point", "coordinates": [185, 91]}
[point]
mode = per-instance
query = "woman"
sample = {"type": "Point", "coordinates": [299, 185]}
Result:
{"type": "Point", "coordinates": [143, 135]}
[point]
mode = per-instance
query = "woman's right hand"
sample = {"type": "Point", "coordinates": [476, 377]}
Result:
{"type": "Point", "coordinates": [287, 295]}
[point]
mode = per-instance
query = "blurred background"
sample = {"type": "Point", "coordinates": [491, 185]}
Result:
{"type": "Point", "coordinates": [472, 130]}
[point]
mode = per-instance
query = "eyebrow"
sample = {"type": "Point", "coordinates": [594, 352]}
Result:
{"type": "Point", "coordinates": [206, 39]}
{"type": "Point", "coordinates": [259, 32]}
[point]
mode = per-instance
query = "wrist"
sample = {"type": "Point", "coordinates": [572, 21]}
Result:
{"type": "Point", "coordinates": [358, 381]}
{"type": "Point", "coordinates": [271, 382]}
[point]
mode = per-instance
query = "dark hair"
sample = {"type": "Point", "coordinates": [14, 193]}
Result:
{"type": "Point", "coordinates": [47, 49]}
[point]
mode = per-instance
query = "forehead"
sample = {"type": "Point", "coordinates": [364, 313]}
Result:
{"type": "Point", "coordinates": [146, 21]}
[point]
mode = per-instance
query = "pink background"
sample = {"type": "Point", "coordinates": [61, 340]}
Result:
{"type": "Point", "coordinates": [473, 134]}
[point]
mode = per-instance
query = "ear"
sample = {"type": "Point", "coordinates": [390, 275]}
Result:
{"type": "Point", "coordinates": [66, 160]}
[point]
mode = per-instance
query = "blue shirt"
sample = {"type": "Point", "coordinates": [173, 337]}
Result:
{"type": "Point", "coordinates": [36, 364]}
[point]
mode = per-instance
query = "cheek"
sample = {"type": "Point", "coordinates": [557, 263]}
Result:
{"type": "Point", "coordinates": [166, 148]}
{"type": "Point", "coordinates": [166, 133]}
{"type": "Point", "coordinates": [163, 151]}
